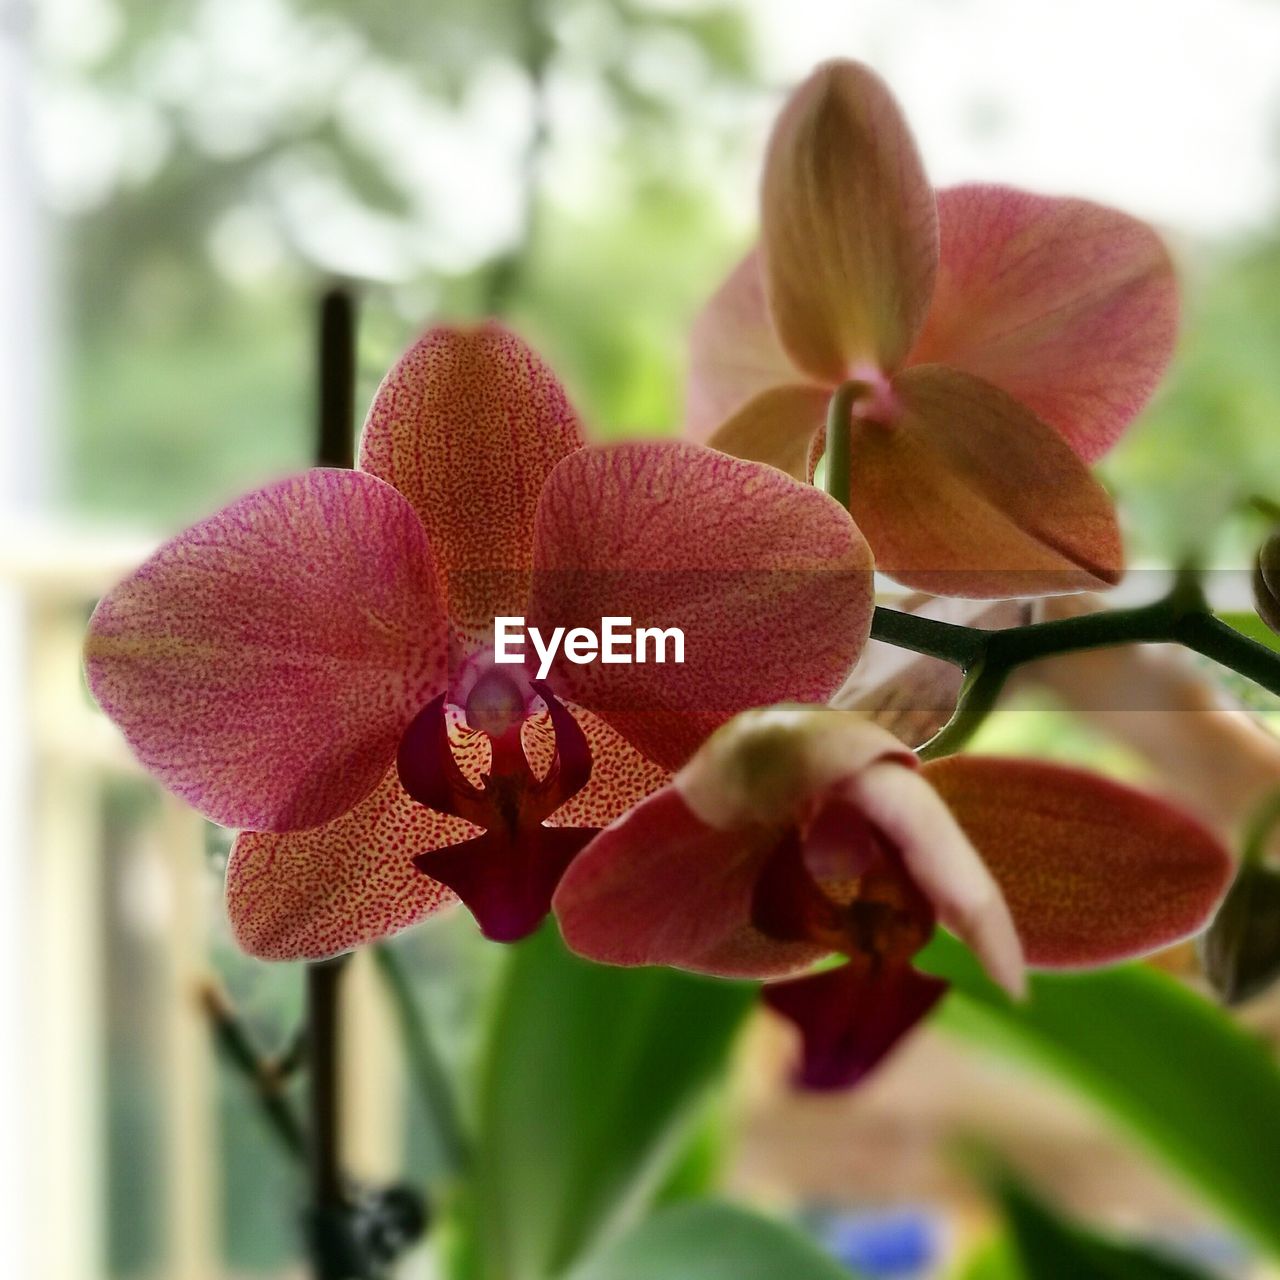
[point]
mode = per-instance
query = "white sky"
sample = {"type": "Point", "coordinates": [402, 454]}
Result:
{"type": "Point", "coordinates": [1170, 108]}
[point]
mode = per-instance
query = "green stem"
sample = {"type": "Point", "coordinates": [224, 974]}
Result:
{"type": "Point", "coordinates": [988, 657]}
{"type": "Point", "coordinates": [839, 442]}
{"type": "Point", "coordinates": [428, 1071]}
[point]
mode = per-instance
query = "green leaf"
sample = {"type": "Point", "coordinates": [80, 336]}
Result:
{"type": "Point", "coordinates": [1050, 1248]}
{"type": "Point", "coordinates": [710, 1241]}
{"type": "Point", "coordinates": [590, 1081]}
{"type": "Point", "coordinates": [1174, 1069]}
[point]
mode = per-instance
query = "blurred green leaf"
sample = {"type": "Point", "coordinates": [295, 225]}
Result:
{"type": "Point", "coordinates": [589, 1080]}
{"type": "Point", "coordinates": [1171, 1067]}
{"type": "Point", "coordinates": [1048, 1247]}
{"type": "Point", "coordinates": [709, 1241]}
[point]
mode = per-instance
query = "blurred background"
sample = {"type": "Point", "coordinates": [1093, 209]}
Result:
{"type": "Point", "coordinates": [177, 180]}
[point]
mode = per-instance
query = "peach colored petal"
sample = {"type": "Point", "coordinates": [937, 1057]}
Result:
{"type": "Point", "coordinates": [467, 426]}
{"type": "Point", "coordinates": [661, 887]}
{"type": "Point", "coordinates": [967, 493]}
{"type": "Point", "coordinates": [776, 427]}
{"type": "Point", "coordinates": [1093, 871]}
{"type": "Point", "coordinates": [734, 353]}
{"type": "Point", "coordinates": [306, 895]}
{"type": "Point", "coordinates": [1069, 306]}
{"type": "Point", "coordinates": [264, 663]}
{"type": "Point", "coordinates": [850, 230]}
{"type": "Point", "coordinates": [768, 579]}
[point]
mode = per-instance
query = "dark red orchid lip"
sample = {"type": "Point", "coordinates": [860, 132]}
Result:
{"type": "Point", "coordinates": [507, 875]}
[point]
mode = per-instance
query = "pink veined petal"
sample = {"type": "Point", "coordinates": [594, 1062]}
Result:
{"type": "Point", "coordinates": [1069, 306]}
{"type": "Point", "coordinates": [967, 493]}
{"type": "Point", "coordinates": [734, 353]}
{"type": "Point", "coordinates": [1093, 871]}
{"type": "Point", "coordinates": [264, 663]}
{"type": "Point", "coordinates": [661, 887]}
{"type": "Point", "coordinates": [768, 579]}
{"type": "Point", "coordinates": [306, 895]}
{"type": "Point", "coordinates": [941, 860]}
{"type": "Point", "coordinates": [850, 230]}
{"type": "Point", "coordinates": [467, 426]}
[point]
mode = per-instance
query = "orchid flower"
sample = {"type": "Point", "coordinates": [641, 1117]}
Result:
{"type": "Point", "coordinates": [998, 341]}
{"type": "Point", "coordinates": [799, 832]}
{"type": "Point", "coordinates": [315, 663]}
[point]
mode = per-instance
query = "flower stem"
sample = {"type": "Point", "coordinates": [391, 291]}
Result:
{"type": "Point", "coordinates": [988, 657]}
{"type": "Point", "coordinates": [839, 424]}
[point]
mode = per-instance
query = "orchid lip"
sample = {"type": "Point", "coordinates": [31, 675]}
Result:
{"type": "Point", "coordinates": [508, 874]}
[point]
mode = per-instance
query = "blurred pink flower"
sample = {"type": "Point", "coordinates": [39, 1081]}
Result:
{"type": "Point", "coordinates": [272, 663]}
{"type": "Point", "coordinates": [798, 832]}
{"type": "Point", "coordinates": [1002, 341]}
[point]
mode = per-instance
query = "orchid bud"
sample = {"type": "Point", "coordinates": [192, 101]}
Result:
{"type": "Point", "coordinates": [1266, 581]}
{"type": "Point", "coordinates": [1241, 949]}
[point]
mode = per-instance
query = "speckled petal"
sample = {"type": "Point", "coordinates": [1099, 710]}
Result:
{"type": "Point", "coordinates": [768, 579]}
{"type": "Point", "coordinates": [467, 426]}
{"type": "Point", "coordinates": [734, 353]}
{"type": "Point", "coordinates": [968, 493]}
{"type": "Point", "coordinates": [620, 775]}
{"type": "Point", "coordinates": [305, 895]}
{"type": "Point", "coordinates": [850, 229]}
{"type": "Point", "coordinates": [661, 887]}
{"type": "Point", "coordinates": [1093, 871]}
{"type": "Point", "coordinates": [1069, 306]}
{"type": "Point", "coordinates": [264, 663]}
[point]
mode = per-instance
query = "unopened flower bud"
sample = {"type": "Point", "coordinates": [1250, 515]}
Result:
{"type": "Point", "coordinates": [1241, 949]}
{"type": "Point", "coordinates": [1266, 581]}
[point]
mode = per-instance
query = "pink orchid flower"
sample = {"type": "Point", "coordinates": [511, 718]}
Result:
{"type": "Point", "coordinates": [798, 832]}
{"type": "Point", "coordinates": [315, 663]}
{"type": "Point", "coordinates": [999, 341]}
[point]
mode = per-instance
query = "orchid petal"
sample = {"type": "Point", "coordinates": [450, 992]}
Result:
{"type": "Point", "coordinates": [775, 427]}
{"type": "Point", "coordinates": [734, 353]}
{"type": "Point", "coordinates": [768, 579]}
{"type": "Point", "coordinates": [939, 857]}
{"type": "Point", "coordinates": [311, 894]}
{"type": "Point", "coordinates": [467, 426]}
{"type": "Point", "coordinates": [661, 887]}
{"type": "Point", "coordinates": [850, 1019]}
{"type": "Point", "coordinates": [967, 493]}
{"type": "Point", "coordinates": [1093, 871]}
{"type": "Point", "coordinates": [264, 663]}
{"type": "Point", "coordinates": [1070, 307]}
{"type": "Point", "coordinates": [850, 230]}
